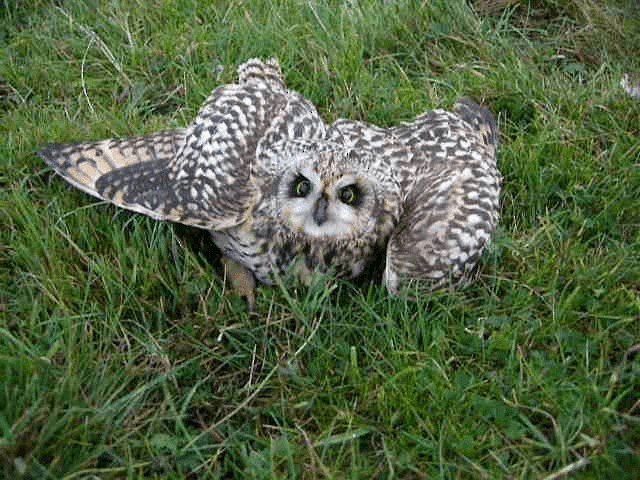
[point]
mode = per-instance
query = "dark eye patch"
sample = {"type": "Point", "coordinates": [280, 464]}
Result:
{"type": "Point", "coordinates": [300, 187]}
{"type": "Point", "coordinates": [350, 195]}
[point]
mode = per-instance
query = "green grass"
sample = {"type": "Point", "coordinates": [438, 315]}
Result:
{"type": "Point", "coordinates": [122, 355]}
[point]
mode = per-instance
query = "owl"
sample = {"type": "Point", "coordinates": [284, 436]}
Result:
{"type": "Point", "coordinates": [281, 190]}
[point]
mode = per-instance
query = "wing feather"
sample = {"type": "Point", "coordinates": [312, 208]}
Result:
{"type": "Point", "coordinates": [88, 165]}
{"type": "Point", "coordinates": [452, 188]}
{"type": "Point", "coordinates": [200, 175]}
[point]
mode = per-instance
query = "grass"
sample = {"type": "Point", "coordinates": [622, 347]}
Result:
{"type": "Point", "coordinates": [122, 355]}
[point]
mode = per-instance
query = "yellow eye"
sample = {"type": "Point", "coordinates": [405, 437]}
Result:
{"type": "Point", "coordinates": [302, 187]}
{"type": "Point", "coordinates": [349, 195]}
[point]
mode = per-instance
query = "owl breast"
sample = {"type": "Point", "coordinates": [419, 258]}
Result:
{"type": "Point", "coordinates": [276, 250]}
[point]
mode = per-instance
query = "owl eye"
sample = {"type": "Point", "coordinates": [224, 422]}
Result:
{"type": "Point", "coordinates": [301, 187]}
{"type": "Point", "coordinates": [349, 195]}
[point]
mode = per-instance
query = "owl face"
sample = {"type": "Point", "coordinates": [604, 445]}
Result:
{"type": "Point", "coordinates": [321, 199]}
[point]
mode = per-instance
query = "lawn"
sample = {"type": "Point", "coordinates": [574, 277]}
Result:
{"type": "Point", "coordinates": [123, 354]}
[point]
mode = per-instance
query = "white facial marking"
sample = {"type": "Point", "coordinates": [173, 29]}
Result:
{"type": "Point", "coordinates": [341, 219]}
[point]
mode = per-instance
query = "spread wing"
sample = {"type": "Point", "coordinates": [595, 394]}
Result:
{"type": "Point", "coordinates": [452, 189]}
{"type": "Point", "coordinates": [200, 175]}
{"type": "Point", "coordinates": [128, 172]}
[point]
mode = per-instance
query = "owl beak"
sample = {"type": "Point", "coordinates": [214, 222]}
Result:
{"type": "Point", "coordinates": [320, 212]}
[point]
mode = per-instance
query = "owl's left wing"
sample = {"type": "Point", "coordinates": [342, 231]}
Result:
{"type": "Point", "coordinates": [452, 188]}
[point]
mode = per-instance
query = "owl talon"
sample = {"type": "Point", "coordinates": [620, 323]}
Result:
{"type": "Point", "coordinates": [242, 281]}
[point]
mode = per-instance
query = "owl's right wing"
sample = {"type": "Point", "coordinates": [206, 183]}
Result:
{"type": "Point", "coordinates": [200, 175]}
{"type": "Point", "coordinates": [128, 172]}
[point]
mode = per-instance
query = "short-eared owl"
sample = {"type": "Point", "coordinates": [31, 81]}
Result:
{"type": "Point", "coordinates": [278, 188]}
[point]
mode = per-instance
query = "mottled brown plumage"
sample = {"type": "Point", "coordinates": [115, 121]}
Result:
{"type": "Point", "coordinates": [279, 189]}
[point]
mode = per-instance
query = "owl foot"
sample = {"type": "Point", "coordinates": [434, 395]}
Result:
{"type": "Point", "coordinates": [242, 281]}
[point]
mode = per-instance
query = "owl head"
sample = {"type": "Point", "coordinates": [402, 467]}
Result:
{"type": "Point", "coordinates": [335, 193]}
